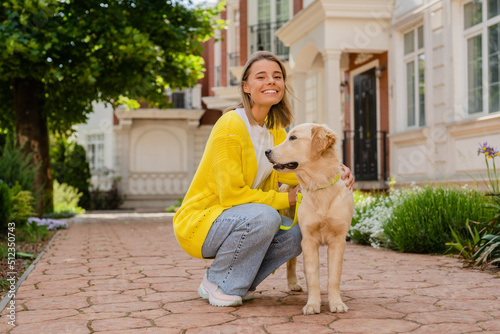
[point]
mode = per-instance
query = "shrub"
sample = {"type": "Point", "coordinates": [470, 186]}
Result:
{"type": "Point", "coordinates": [66, 199]}
{"type": "Point", "coordinates": [173, 208]}
{"type": "Point", "coordinates": [22, 204]}
{"type": "Point", "coordinates": [369, 215]}
{"type": "Point", "coordinates": [482, 247]}
{"type": "Point", "coordinates": [106, 200]}
{"type": "Point", "coordinates": [5, 207]}
{"type": "Point", "coordinates": [69, 165]}
{"type": "Point", "coordinates": [15, 166]}
{"type": "Point", "coordinates": [420, 222]}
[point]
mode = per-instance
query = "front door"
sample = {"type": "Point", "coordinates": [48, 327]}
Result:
{"type": "Point", "coordinates": [365, 125]}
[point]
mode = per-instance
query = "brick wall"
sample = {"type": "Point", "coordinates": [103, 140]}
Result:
{"type": "Point", "coordinates": [223, 53]}
{"type": "Point", "coordinates": [243, 32]}
{"type": "Point", "coordinates": [297, 6]}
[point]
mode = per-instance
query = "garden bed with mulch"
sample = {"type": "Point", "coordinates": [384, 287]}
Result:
{"type": "Point", "coordinates": [21, 263]}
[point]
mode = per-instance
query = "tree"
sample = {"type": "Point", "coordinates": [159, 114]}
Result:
{"type": "Point", "coordinates": [69, 165]}
{"type": "Point", "coordinates": [58, 56]}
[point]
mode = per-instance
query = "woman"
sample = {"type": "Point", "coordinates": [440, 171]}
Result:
{"type": "Point", "coordinates": [230, 210]}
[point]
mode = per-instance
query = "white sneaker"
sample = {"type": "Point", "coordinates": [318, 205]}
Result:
{"type": "Point", "coordinates": [249, 296]}
{"type": "Point", "coordinates": [215, 296]}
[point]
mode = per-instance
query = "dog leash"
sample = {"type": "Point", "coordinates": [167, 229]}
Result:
{"type": "Point", "coordinates": [295, 218]}
{"type": "Point", "coordinates": [299, 200]}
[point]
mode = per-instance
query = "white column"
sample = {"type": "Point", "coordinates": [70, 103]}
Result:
{"type": "Point", "coordinates": [122, 146]}
{"type": "Point", "coordinates": [331, 59]}
{"type": "Point", "coordinates": [299, 90]}
{"type": "Point", "coordinates": [192, 129]}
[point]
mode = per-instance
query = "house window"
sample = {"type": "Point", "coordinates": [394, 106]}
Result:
{"type": "Point", "coordinates": [271, 15]}
{"type": "Point", "coordinates": [482, 40]}
{"type": "Point", "coordinates": [95, 151]}
{"type": "Point", "coordinates": [414, 58]}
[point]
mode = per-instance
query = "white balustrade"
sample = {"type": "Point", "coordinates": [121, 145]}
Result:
{"type": "Point", "coordinates": [142, 183]}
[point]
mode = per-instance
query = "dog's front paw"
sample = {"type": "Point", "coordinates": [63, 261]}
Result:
{"type": "Point", "coordinates": [294, 287]}
{"type": "Point", "coordinates": [311, 308]}
{"type": "Point", "coordinates": [338, 307]}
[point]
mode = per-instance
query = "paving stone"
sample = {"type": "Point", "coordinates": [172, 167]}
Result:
{"type": "Point", "coordinates": [149, 330]}
{"type": "Point", "coordinates": [168, 297]}
{"type": "Point", "coordinates": [122, 307]}
{"type": "Point", "coordinates": [151, 314]}
{"type": "Point", "coordinates": [196, 306]}
{"type": "Point", "coordinates": [455, 316]}
{"type": "Point", "coordinates": [57, 303]}
{"type": "Point", "coordinates": [122, 323]}
{"type": "Point", "coordinates": [470, 304]}
{"type": "Point", "coordinates": [227, 329]}
{"type": "Point", "coordinates": [193, 320]}
{"type": "Point", "coordinates": [142, 282]}
{"type": "Point", "coordinates": [270, 311]}
{"type": "Point", "coordinates": [28, 317]}
{"type": "Point", "coordinates": [113, 298]}
{"type": "Point", "coordinates": [297, 328]}
{"type": "Point", "coordinates": [4, 327]}
{"type": "Point", "coordinates": [52, 327]}
{"type": "Point", "coordinates": [492, 325]}
{"type": "Point", "coordinates": [361, 325]}
{"type": "Point", "coordinates": [368, 311]}
{"type": "Point", "coordinates": [451, 328]}
{"type": "Point", "coordinates": [319, 319]}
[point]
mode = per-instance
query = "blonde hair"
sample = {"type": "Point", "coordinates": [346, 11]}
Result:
{"type": "Point", "coordinates": [280, 114]}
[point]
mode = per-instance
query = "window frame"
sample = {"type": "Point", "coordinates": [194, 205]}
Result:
{"type": "Point", "coordinates": [271, 41]}
{"type": "Point", "coordinates": [479, 29]}
{"type": "Point", "coordinates": [97, 141]}
{"type": "Point", "coordinates": [413, 57]}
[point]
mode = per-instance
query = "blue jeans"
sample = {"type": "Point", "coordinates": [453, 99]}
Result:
{"type": "Point", "coordinates": [247, 246]}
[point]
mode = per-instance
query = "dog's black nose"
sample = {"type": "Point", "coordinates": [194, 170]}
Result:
{"type": "Point", "coordinates": [268, 151]}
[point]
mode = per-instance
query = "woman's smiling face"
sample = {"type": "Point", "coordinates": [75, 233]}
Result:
{"type": "Point", "coordinates": [265, 83]}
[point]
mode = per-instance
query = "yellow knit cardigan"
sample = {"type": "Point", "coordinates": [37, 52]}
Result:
{"type": "Point", "coordinates": [223, 180]}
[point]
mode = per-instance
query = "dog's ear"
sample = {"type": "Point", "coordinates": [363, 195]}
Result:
{"type": "Point", "coordinates": [321, 139]}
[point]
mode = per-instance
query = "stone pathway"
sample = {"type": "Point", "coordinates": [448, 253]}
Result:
{"type": "Point", "coordinates": [128, 275]}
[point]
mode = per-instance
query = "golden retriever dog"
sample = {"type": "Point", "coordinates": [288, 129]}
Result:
{"type": "Point", "coordinates": [326, 210]}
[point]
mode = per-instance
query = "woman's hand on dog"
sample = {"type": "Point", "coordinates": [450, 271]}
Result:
{"type": "Point", "coordinates": [292, 195]}
{"type": "Point", "coordinates": [347, 176]}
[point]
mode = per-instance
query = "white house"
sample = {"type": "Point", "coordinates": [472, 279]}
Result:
{"type": "Point", "coordinates": [411, 87]}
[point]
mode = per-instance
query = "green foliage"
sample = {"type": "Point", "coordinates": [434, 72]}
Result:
{"type": "Point", "coordinates": [66, 199]}
{"type": "Point", "coordinates": [174, 207]}
{"type": "Point", "coordinates": [22, 205]}
{"type": "Point", "coordinates": [71, 47]}
{"type": "Point", "coordinates": [482, 247]}
{"type": "Point", "coordinates": [366, 224]}
{"type": "Point", "coordinates": [421, 221]}
{"type": "Point", "coordinates": [32, 233]}
{"type": "Point", "coordinates": [58, 57]}
{"type": "Point", "coordinates": [490, 153]}
{"type": "Point", "coordinates": [488, 251]}
{"type": "Point", "coordinates": [465, 244]}
{"type": "Point", "coordinates": [15, 166]}
{"type": "Point", "coordinates": [106, 200]}
{"type": "Point", "coordinates": [5, 207]}
{"type": "Point", "coordinates": [70, 166]}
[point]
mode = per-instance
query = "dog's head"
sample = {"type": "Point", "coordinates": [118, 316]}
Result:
{"type": "Point", "coordinates": [304, 145]}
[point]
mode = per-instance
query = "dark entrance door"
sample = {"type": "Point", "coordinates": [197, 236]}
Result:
{"type": "Point", "coordinates": [365, 126]}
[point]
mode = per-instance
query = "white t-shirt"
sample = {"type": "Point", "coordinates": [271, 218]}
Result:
{"type": "Point", "coordinates": [262, 140]}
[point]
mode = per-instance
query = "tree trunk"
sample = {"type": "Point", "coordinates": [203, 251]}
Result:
{"type": "Point", "coordinates": [33, 136]}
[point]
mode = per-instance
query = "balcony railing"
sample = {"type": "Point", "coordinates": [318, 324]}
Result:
{"type": "Point", "coordinates": [366, 151]}
{"type": "Point", "coordinates": [263, 37]}
{"type": "Point", "coordinates": [234, 59]}
{"type": "Point", "coordinates": [178, 100]}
